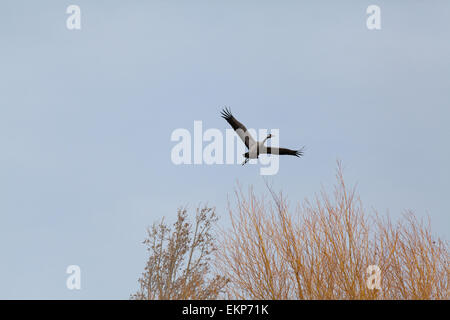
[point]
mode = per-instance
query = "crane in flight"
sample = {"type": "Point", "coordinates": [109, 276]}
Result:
{"type": "Point", "coordinates": [255, 148]}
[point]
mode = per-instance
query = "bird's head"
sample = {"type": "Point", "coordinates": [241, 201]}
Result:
{"type": "Point", "coordinates": [269, 136]}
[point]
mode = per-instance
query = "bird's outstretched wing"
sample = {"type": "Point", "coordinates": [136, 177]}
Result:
{"type": "Point", "coordinates": [240, 129]}
{"type": "Point", "coordinates": [283, 151]}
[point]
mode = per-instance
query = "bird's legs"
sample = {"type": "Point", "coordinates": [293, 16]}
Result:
{"type": "Point", "coordinates": [245, 161]}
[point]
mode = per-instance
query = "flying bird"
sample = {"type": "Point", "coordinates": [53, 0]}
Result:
{"type": "Point", "coordinates": [255, 148]}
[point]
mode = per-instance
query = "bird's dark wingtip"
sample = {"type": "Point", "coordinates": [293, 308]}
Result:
{"type": "Point", "coordinates": [299, 153]}
{"type": "Point", "coordinates": [226, 113]}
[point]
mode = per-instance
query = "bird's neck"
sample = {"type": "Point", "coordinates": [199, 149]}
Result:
{"type": "Point", "coordinates": [265, 139]}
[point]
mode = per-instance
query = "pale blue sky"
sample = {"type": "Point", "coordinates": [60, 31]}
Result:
{"type": "Point", "coordinates": [86, 118]}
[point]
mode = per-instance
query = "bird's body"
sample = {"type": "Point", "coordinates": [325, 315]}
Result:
{"type": "Point", "coordinates": [255, 148]}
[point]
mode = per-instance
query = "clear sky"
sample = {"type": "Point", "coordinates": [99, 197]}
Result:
{"type": "Point", "coordinates": [86, 118]}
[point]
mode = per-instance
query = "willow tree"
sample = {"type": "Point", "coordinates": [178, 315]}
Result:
{"type": "Point", "coordinates": [325, 248]}
{"type": "Point", "coordinates": [179, 263]}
